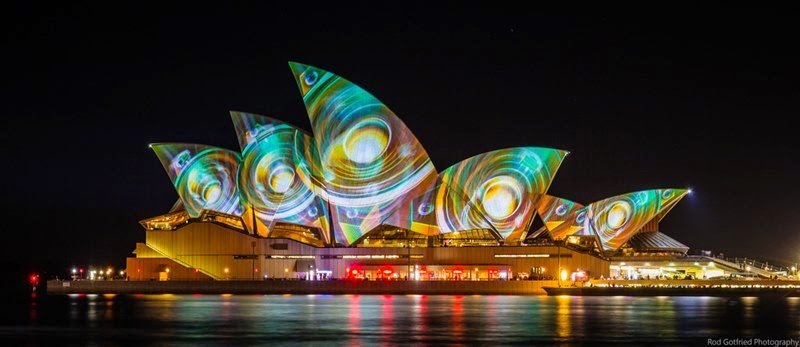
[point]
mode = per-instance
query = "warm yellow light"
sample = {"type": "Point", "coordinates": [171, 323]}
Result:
{"type": "Point", "coordinates": [167, 270]}
{"type": "Point", "coordinates": [285, 270]}
{"type": "Point", "coordinates": [121, 272]}
{"type": "Point", "coordinates": [281, 178]}
{"type": "Point", "coordinates": [501, 196]}
{"type": "Point", "coordinates": [367, 140]}
{"type": "Point", "coordinates": [564, 275]}
{"type": "Point", "coordinates": [226, 270]}
{"type": "Point", "coordinates": [618, 215]}
{"type": "Point", "coordinates": [747, 267]}
{"type": "Point", "coordinates": [476, 269]}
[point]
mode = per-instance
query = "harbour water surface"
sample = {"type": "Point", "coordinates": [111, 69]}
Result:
{"type": "Point", "coordinates": [190, 320]}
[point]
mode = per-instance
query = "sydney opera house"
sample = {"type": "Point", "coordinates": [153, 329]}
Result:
{"type": "Point", "coordinates": [359, 198]}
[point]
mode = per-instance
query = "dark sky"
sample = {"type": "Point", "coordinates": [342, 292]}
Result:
{"type": "Point", "coordinates": [706, 101]}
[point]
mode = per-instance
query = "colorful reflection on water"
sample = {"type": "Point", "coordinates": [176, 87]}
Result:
{"type": "Point", "coordinates": [111, 320]}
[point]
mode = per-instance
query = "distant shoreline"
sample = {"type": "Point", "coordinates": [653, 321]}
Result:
{"type": "Point", "coordinates": [679, 291]}
{"type": "Point", "coordinates": [597, 288]}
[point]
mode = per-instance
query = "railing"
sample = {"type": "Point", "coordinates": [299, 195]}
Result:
{"type": "Point", "coordinates": [757, 264]}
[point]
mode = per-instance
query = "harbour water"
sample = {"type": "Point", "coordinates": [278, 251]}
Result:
{"type": "Point", "coordinates": [191, 320]}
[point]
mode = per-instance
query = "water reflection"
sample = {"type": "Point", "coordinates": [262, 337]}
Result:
{"type": "Point", "coordinates": [563, 326]}
{"type": "Point", "coordinates": [354, 318]}
{"type": "Point", "coordinates": [392, 320]}
{"type": "Point", "coordinates": [458, 318]}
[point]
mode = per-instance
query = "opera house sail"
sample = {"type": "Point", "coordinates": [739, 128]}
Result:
{"type": "Point", "coordinates": [361, 179]}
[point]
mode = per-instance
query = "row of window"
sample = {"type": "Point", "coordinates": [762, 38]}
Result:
{"type": "Point", "coordinates": [388, 256]}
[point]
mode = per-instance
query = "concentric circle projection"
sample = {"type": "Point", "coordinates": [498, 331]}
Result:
{"type": "Point", "coordinates": [268, 177]}
{"type": "Point", "coordinates": [505, 186]}
{"type": "Point", "coordinates": [581, 217]}
{"type": "Point", "coordinates": [425, 208]}
{"type": "Point", "coordinates": [368, 163]}
{"type": "Point", "coordinates": [562, 209]}
{"type": "Point", "coordinates": [310, 78]}
{"type": "Point", "coordinates": [212, 192]}
{"type": "Point", "coordinates": [501, 196]}
{"type": "Point", "coordinates": [618, 214]}
{"type": "Point", "coordinates": [204, 177]}
{"type": "Point", "coordinates": [279, 174]}
{"type": "Point", "coordinates": [281, 178]}
{"type": "Point", "coordinates": [367, 140]}
{"type": "Point", "coordinates": [618, 218]}
{"type": "Point", "coordinates": [455, 212]}
{"type": "Point", "coordinates": [373, 165]}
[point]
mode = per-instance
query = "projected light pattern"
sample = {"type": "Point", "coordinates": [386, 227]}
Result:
{"type": "Point", "coordinates": [615, 220]}
{"type": "Point", "coordinates": [440, 210]}
{"type": "Point", "coordinates": [503, 186]}
{"type": "Point", "coordinates": [373, 164]}
{"type": "Point", "coordinates": [204, 176]}
{"type": "Point", "coordinates": [364, 168]}
{"type": "Point", "coordinates": [277, 177]}
{"type": "Point", "coordinates": [555, 211]}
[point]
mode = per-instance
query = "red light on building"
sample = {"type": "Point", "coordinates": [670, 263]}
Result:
{"type": "Point", "coordinates": [81, 270]}
{"type": "Point", "coordinates": [34, 279]}
{"type": "Point", "coordinates": [255, 270]}
{"type": "Point", "coordinates": [137, 270]}
{"type": "Point", "coordinates": [355, 272]}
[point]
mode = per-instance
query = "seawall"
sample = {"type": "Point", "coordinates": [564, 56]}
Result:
{"type": "Point", "coordinates": [644, 291]}
{"type": "Point", "coordinates": [301, 287]}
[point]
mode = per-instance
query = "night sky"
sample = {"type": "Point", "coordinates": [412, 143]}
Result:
{"type": "Point", "coordinates": [702, 101]}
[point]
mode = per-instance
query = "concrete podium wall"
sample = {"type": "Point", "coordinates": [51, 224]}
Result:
{"type": "Point", "coordinates": [301, 287]}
